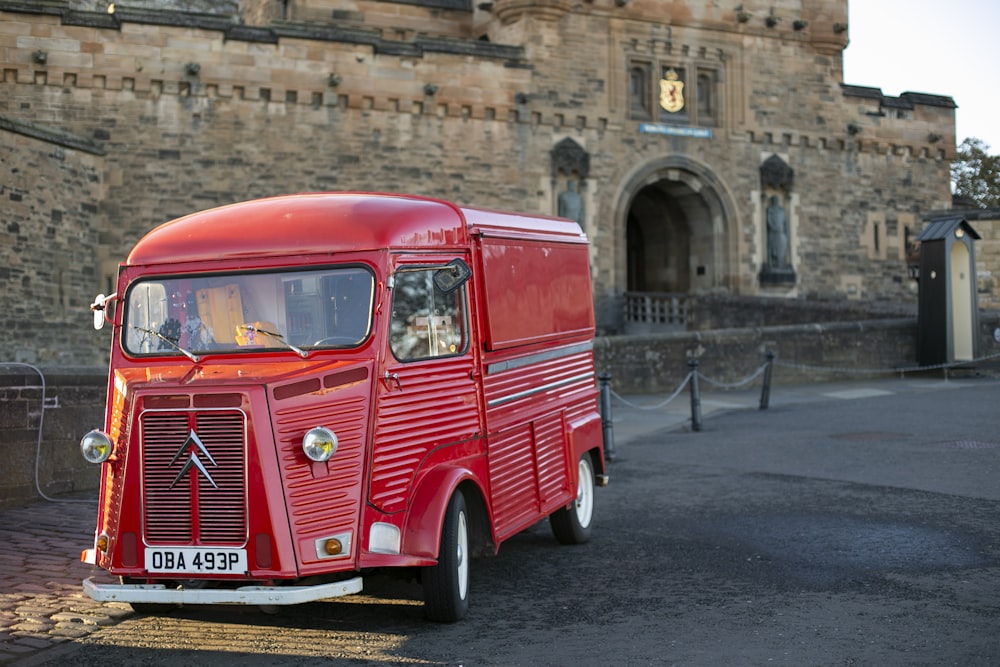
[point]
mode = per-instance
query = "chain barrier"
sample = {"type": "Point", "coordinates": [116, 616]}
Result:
{"type": "Point", "coordinates": [684, 383]}
{"type": "Point", "coordinates": [735, 385]}
{"type": "Point", "coordinates": [659, 405]}
{"type": "Point", "coordinates": [691, 379]}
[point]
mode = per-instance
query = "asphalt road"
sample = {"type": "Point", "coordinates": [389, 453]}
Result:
{"type": "Point", "coordinates": [863, 529]}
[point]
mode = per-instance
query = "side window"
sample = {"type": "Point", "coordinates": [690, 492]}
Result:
{"type": "Point", "coordinates": [426, 322]}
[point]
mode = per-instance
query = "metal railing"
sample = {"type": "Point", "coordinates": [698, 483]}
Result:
{"type": "Point", "coordinates": [648, 312]}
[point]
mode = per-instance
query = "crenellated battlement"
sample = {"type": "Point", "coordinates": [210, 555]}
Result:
{"type": "Point", "coordinates": [164, 47]}
{"type": "Point", "coordinates": [156, 52]}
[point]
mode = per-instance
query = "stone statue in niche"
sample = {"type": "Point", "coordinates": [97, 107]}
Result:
{"type": "Point", "coordinates": [570, 203]}
{"type": "Point", "coordinates": [777, 235]}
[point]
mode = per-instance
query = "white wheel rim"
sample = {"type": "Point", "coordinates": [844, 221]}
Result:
{"type": "Point", "coordinates": [585, 494]}
{"type": "Point", "coordinates": [462, 546]}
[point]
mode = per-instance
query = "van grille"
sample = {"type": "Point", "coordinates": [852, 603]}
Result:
{"type": "Point", "coordinates": [194, 477]}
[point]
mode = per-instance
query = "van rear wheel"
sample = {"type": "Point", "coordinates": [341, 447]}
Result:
{"type": "Point", "coordinates": [571, 525]}
{"type": "Point", "coordinates": [446, 585]}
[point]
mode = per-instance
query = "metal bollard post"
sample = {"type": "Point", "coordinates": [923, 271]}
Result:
{"type": "Point", "coordinates": [695, 396]}
{"type": "Point", "coordinates": [765, 391]}
{"type": "Point", "coordinates": [604, 380]}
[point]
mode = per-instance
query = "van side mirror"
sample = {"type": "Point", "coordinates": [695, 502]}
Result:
{"type": "Point", "coordinates": [99, 307]}
{"type": "Point", "coordinates": [452, 276]}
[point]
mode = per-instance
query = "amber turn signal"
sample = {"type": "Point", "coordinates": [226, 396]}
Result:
{"type": "Point", "coordinates": [333, 547]}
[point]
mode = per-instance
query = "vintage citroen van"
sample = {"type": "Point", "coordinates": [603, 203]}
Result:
{"type": "Point", "coordinates": [307, 388]}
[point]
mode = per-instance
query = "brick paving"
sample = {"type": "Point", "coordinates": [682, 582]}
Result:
{"type": "Point", "coordinates": [41, 599]}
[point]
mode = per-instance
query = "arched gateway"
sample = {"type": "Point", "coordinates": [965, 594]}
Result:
{"type": "Point", "coordinates": [678, 223]}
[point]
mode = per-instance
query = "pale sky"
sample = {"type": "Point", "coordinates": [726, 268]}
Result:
{"type": "Point", "coordinates": [929, 46]}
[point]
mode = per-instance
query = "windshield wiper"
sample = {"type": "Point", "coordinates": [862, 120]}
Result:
{"type": "Point", "coordinates": [252, 329]}
{"type": "Point", "coordinates": [172, 343]}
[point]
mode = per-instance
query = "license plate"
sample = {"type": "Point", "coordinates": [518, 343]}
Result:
{"type": "Point", "coordinates": [190, 560]}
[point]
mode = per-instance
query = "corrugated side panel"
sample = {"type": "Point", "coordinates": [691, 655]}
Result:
{"type": "Point", "coordinates": [433, 405]}
{"type": "Point", "coordinates": [538, 388]}
{"type": "Point", "coordinates": [528, 407]}
{"type": "Point", "coordinates": [513, 483]}
{"type": "Point", "coordinates": [323, 498]}
{"type": "Point", "coordinates": [550, 456]}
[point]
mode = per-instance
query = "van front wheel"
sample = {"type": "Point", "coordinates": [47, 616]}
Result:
{"type": "Point", "coordinates": [571, 525]}
{"type": "Point", "coordinates": [446, 585]}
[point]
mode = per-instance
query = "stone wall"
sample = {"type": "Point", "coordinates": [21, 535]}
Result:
{"type": "Point", "coordinates": [52, 193]}
{"type": "Point", "coordinates": [641, 364]}
{"type": "Point", "coordinates": [724, 312]}
{"type": "Point", "coordinates": [187, 110]}
{"type": "Point", "coordinates": [74, 404]}
{"type": "Point", "coordinates": [221, 7]}
{"type": "Point", "coordinates": [804, 353]}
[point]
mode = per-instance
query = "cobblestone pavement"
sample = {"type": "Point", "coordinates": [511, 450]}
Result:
{"type": "Point", "coordinates": [41, 600]}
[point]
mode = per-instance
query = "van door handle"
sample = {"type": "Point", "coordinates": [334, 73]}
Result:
{"type": "Point", "coordinates": [389, 378]}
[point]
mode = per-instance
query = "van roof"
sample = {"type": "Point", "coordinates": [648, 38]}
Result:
{"type": "Point", "coordinates": [312, 223]}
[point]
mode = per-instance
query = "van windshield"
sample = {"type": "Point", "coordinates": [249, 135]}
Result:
{"type": "Point", "coordinates": [242, 312]}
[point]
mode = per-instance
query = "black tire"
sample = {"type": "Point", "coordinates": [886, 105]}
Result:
{"type": "Point", "coordinates": [571, 525]}
{"type": "Point", "coordinates": [446, 585]}
{"type": "Point", "coordinates": [152, 608]}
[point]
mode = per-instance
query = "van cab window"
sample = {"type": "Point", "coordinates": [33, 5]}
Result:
{"type": "Point", "coordinates": [426, 322]}
{"type": "Point", "coordinates": [242, 312]}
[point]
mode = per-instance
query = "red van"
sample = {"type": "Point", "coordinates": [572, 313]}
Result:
{"type": "Point", "coordinates": [309, 387]}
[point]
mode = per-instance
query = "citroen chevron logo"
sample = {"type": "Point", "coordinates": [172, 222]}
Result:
{"type": "Point", "coordinates": [192, 446]}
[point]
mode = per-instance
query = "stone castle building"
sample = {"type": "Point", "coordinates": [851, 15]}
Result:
{"type": "Point", "coordinates": [707, 147]}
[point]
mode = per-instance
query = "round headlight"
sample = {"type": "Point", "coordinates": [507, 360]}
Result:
{"type": "Point", "coordinates": [96, 446]}
{"type": "Point", "coordinates": [319, 444]}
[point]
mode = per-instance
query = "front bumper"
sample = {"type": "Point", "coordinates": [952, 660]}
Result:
{"type": "Point", "coordinates": [252, 595]}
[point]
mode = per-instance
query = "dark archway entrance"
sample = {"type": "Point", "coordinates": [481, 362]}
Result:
{"type": "Point", "coordinates": [677, 226]}
{"type": "Point", "coordinates": [664, 221]}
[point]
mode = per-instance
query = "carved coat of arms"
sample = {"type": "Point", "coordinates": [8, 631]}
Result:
{"type": "Point", "coordinates": [671, 92]}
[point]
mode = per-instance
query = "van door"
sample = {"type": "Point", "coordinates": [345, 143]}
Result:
{"type": "Point", "coordinates": [428, 402]}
